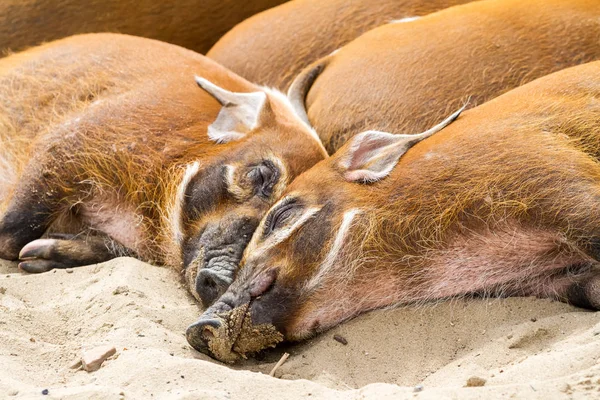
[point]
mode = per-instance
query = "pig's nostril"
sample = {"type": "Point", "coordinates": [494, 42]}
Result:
{"type": "Point", "coordinates": [209, 282]}
{"type": "Point", "coordinates": [198, 334]}
{"type": "Point", "coordinates": [207, 334]}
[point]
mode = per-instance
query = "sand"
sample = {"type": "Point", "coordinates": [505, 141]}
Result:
{"type": "Point", "coordinates": [522, 348]}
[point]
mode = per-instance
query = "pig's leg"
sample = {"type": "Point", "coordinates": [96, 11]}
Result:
{"type": "Point", "coordinates": [67, 251]}
{"type": "Point", "coordinates": [27, 214]}
{"type": "Point", "coordinates": [40, 195]}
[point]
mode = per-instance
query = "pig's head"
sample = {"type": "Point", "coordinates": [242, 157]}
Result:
{"type": "Point", "coordinates": [260, 146]}
{"type": "Point", "coordinates": [303, 270]}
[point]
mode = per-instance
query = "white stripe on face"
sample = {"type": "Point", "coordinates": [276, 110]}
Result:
{"type": "Point", "coordinates": [190, 171]}
{"type": "Point", "coordinates": [331, 257]}
{"type": "Point", "coordinates": [282, 234]}
{"type": "Point", "coordinates": [279, 235]}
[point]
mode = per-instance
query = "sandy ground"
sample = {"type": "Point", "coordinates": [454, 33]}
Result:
{"type": "Point", "coordinates": [522, 347]}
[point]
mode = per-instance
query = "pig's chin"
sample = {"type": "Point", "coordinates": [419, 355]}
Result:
{"type": "Point", "coordinates": [231, 335]}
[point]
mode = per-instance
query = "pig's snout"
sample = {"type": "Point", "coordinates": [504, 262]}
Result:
{"type": "Point", "coordinates": [210, 285]}
{"type": "Point", "coordinates": [198, 334]}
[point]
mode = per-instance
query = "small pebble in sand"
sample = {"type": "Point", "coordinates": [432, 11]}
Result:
{"type": "Point", "coordinates": [475, 381]}
{"type": "Point", "coordinates": [13, 392]}
{"type": "Point", "coordinates": [45, 392]}
{"type": "Point", "coordinates": [121, 290]}
{"type": "Point", "coordinates": [340, 339]}
{"type": "Point", "coordinates": [2, 290]}
{"type": "Point", "coordinates": [92, 360]}
{"type": "Point", "coordinates": [418, 388]}
{"type": "Point", "coordinates": [32, 340]}
{"type": "Point", "coordinates": [533, 319]}
{"type": "Point", "coordinates": [69, 271]}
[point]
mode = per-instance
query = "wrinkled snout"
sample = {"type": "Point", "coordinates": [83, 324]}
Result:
{"type": "Point", "coordinates": [210, 284]}
{"type": "Point", "coordinates": [214, 256]}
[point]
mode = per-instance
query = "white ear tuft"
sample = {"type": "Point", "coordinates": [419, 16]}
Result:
{"type": "Point", "coordinates": [239, 115]}
{"type": "Point", "coordinates": [371, 155]}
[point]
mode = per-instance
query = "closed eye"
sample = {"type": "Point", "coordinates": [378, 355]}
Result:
{"type": "Point", "coordinates": [276, 219]}
{"type": "Point", "coordinates": [263, 177]}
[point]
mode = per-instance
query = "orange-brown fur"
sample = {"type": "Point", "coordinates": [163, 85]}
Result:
{"type": "Point", "coordinates": [271, 48]}
{"type": "Point", "coordinates": [504, 201]}
{"type": "Point", "coordinates": [194, 24]}
{"type": "Point", "coordinates": [404, 78]}
{"type": "Point", "coordinates": [103, 125]}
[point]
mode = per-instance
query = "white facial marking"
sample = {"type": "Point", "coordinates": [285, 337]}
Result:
{"type": "Point", "coordinates": [279, 235]}
{"type": "Point", "coordinates": [403, 20]}
{"type": "Point", "coordinates": [251, 248]}
{"type": "Point", "coordinates": [234, 189]}
{"type": "Point", "coordinates": [282, 234]}
{"type": "Point", "coordinates": [190, 171]}
{"type": "Point", "coordinates": [229, 173]}
{"type": "Point", "coordinates": [283, 176]}
{"type": "Point", "coordinates": [332, 255]}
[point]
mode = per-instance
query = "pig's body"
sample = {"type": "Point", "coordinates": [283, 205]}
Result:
{"type": "Point", "coordinates": [194, 24]}
{"type": "Point", "coordinates": [271, 48]}
{"type": "Point", "coordinates": [503, 202]}
{"type": "Point", "coordinates": [105, 136]}
{"type": "Point", "coordinates": [64, 108]}
{"type": "Point", "coordinates": [403, 78]}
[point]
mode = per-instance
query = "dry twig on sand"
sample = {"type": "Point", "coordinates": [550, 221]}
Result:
{"type": "Point", "coordinates": [279, 363]}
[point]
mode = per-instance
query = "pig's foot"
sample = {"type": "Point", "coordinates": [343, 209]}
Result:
{"type": "Point", "coordinates": [585, 291]}
{"type": "Point", "coordinates": [578, 285]}
{"type": "Point", "coordinates": [65, 251]}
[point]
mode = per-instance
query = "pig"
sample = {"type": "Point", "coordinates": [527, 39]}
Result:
{"type": "Point", "coordinates": [406, 77]}
{"type": "Point", "coordinates": [194, 24]}
{"type": "Point", "coordinates": [272, 47]}
{"type": "Point", "coordinates": [505, 201]}
{"type": "Point", "coordinates": [110, 148]}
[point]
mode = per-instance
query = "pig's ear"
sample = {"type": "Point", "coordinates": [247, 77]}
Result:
{"type": "Point", "coordinates": [239, 115]}
{"type": "Point", "coordinates": [371, 155]}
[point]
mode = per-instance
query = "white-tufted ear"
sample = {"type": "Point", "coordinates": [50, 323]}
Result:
{"type": "Point", "coordinates": [239, 115]}
{"type": "Point", "coordinates": [371, 155]}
